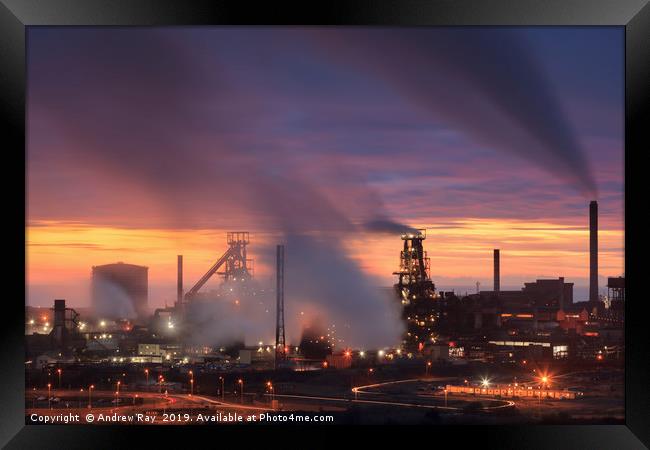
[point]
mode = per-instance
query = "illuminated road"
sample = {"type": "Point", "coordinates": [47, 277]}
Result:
{"type": "Point", "coordinates": [219, 403]}
{"type": "Point", "coordinates": [375, 402]}
{"type": "Point", "coordinates": [368, 389]}
{"type": "Point", "coordinates": [411, 401]}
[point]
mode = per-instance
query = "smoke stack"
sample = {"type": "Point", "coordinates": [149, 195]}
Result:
{"type": "Point", "coordinates": [58, 331]}
{"type": "Point", "coordinates": [561, 293]}
{"type": "Point", "coordinates": [280, 341]}
{"type": "Point", "coordinates": [497, 271]}
{"type": "Point", "coordinates": [593, 251]}
{"type": "Point", "coordinates": [179, 284]}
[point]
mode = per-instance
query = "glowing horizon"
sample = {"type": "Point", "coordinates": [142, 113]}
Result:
{"type": "Point", "coordinates": [461, 253]}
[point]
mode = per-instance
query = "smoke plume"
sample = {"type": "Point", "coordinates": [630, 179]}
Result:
{"type": "Point", "coordinates": [111, 301]}
{"type": "Point", "coordinates": [388, 226]}
{"type": "Point", "coordinates": [486, 83]}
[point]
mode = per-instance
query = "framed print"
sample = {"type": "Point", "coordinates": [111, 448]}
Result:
{"type": "Point", "coordinates": [295, 218]}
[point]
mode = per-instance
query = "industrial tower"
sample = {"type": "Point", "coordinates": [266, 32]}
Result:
{"type": "Point", "coordinates": [237, 266]}
{"type": "Point", "coordinates": [416, 292]}
{"type": "Point", "coordinates": [593, 252]}
{"type": "Point", "coordinates": [280, 343]}
{"type": "Point", "coordinates": [65, 332]}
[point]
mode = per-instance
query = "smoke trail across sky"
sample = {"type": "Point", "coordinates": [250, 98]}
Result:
{"type": "Point", "coordinates": [487, 83]}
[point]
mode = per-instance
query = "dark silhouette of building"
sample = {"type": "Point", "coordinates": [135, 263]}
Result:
{"type": "Point", "coordinates": [616, 288]}
{"type": "Point", "coordinates": [616, 294]}
{"type": "Point", "coordinates": [543, 293]}
{"type": "Point", "coordinates": [554, 292]}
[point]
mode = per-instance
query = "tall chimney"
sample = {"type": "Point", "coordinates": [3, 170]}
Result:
{"type": "Point", "coordinates": [593, 251]}
{"type": "Point", "coordinates": [497, 271]}
{"type": "Point", "coordinates": [561, 293]}
{"type": "Point", "coordinates": [58, 330]}
{"type": "Point", "coordinates": [179, 282]}
{"type": "Point", "coordinates": [280, 342]}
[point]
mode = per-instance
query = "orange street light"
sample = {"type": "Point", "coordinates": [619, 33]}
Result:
{"type": "Point", "coordinates": [117, 393]}
{"type": "Point", "coordinates": [241, 383]}
{"type": "Point", "coordinates": [269, 386]}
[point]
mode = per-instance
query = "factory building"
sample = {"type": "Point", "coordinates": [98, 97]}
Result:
{"type": "Point", "coordinates": [616, 289]}
{"type": "Point", "coordinates": [339, 360]}
{"type": "Point", "coordinates": [261, 356]}
{"type": "Point", "coordinates": [120, 291]}
{"type": "Point", "coordinates": [542, 293]}
{"type": "Point", "coordinates": [555, 292]}
{"type": "Point", "coordinates": [616, 296]}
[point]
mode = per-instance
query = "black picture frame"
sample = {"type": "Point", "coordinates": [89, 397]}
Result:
{"type": "Point", "coordinates": [633, 15]}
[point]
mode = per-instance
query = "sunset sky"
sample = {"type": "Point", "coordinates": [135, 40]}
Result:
{"type": "Point", "coordinates": [148, 143]}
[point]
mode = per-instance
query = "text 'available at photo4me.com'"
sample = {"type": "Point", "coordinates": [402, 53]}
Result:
{"type": "Point", "coordinates": [146, 419]}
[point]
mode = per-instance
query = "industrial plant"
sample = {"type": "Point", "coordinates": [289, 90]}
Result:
{"type": "Point", "coordinates": [469, 352]}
